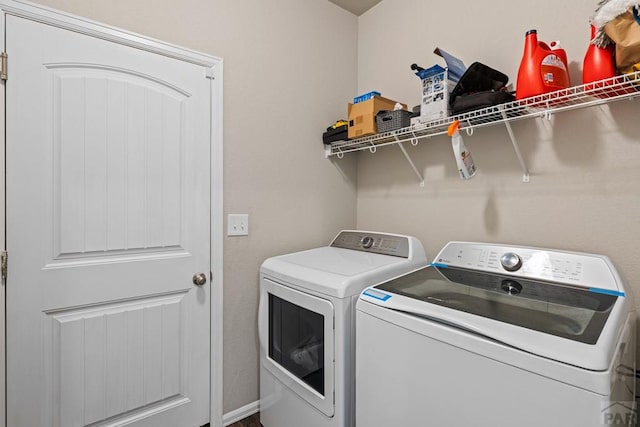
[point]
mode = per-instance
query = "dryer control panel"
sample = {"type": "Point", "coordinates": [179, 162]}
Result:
{"type": "Point", "coordinates": [575, 268]}
{"type": "Point", "coordinates": [385, 244]}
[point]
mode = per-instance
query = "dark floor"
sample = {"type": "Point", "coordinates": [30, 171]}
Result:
{"type": "Point", "coordinates": [252, 421]}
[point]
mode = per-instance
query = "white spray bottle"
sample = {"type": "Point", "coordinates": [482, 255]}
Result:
{"type": "Point", "coordinates": [466, 167]}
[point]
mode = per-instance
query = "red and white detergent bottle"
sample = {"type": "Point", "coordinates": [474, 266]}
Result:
{"type": "Point", "coordinates": [558, 50]}
{"type": "Point", "coordinates": [542, 69]}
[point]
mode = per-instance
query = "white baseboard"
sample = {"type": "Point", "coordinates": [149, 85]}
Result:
{"type": "Point", "coordinates": [240, 413]}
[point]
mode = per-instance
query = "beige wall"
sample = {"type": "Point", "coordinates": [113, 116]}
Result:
{"type": "Point", "coordinates": [289, 65]}
{"type": "Point", "coordinates": [584, 192]}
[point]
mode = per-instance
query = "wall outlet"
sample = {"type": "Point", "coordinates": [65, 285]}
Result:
{"type": "Point", "coordinates": [238, 225]}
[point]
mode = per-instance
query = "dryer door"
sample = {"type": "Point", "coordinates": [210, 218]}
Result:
{"type": "Point", "coordinates": [297, 340]}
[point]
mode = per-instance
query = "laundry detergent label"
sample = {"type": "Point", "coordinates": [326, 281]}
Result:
{"type": "Point", "coordinates": [554, 72]}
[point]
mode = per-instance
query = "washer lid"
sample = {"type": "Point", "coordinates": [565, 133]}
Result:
{"type": "Point", "coordinates": [572, 325]}
{"type": "Point", "coordinates": [338, 272]}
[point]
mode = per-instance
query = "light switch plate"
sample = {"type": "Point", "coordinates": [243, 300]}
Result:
{"type": "Point", "coordinates": [238, 225]}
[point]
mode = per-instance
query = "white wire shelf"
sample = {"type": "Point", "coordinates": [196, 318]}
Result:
{"type": "Point", "coordinates": [575, 97]}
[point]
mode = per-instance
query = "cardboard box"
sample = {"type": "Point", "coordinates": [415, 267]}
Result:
{"type": "Point", "coordinates": [436, 87]}
{"type": "Point", "coordinates": [362, 116]}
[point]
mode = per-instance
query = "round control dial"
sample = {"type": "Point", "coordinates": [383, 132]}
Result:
{"type": "Point", "coordinates": [367, 242]}
{"type": "Point", "coordinates": [511, 261]}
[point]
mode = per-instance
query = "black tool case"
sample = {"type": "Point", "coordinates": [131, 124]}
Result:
{"type": "Point", "coordinates": [332, 134]}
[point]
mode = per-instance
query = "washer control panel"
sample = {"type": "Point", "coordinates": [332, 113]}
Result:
{"type": "Point", "coordinates": [385, 244]}
{"type": "Point", "coordinates": [575, 268]}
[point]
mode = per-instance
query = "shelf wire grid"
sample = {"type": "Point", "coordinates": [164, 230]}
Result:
{"type": "Point", "coordinates": [596, 93]}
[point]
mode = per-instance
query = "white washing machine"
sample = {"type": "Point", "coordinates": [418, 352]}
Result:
{"type": "Point", "coordinates": [493, 335]}
{"type": "Point", "coordinates": [306, 324]}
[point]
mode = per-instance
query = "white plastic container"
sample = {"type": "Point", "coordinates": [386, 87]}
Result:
{"type": "Point", "coordinates": [466, 167]}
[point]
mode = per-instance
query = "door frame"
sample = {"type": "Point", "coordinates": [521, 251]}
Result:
{"type": "Point", "coordinates": [214, 71]}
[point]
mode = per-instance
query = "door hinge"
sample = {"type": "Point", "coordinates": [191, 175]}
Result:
{"type": "Point", "coordinates": [4, 59]}
{"type": "Point", "coordinates": [4, 258]}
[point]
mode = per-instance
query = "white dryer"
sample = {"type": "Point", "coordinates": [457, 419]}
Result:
{"type": "Point", "coordinates": [493, 335]}
{"type": "Point", "coordinates": [306, 324]}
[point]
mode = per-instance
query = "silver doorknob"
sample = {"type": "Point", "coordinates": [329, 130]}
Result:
{"type": "Point", "coordinates": [199, 279]}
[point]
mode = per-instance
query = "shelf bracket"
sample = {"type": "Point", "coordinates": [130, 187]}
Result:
{"type": "Point", "coordinates": [413, 166]}
{"type": "Point", "coordinates": [516, 148]}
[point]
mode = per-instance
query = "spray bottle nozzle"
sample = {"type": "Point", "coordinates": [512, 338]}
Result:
{"type": "Point", "coordinates": [453, 127]}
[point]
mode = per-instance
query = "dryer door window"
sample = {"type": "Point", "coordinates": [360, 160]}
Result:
{"type": "Point", "coordinates": [296, 341]}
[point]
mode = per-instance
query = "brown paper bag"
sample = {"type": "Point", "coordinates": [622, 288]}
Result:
{"type": "Point", "coordinates": [624, 30]}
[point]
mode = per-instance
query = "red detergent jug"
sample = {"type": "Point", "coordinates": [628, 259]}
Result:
{"type": "Point", "coordinates": [598, 62]}
{"type": "Point", "coordinates": [542, 68]}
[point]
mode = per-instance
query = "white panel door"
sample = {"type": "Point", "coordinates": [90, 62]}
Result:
{"type": "Point", "coordinates": [108, 217]}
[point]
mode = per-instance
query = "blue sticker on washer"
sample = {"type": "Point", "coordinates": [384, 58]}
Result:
{"type": "Point", "coordinates": [376, 294]}
{"type": "Point", "coordinates": [607, 292]}
{"type": "Point", "coordinates": [438, 265]}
